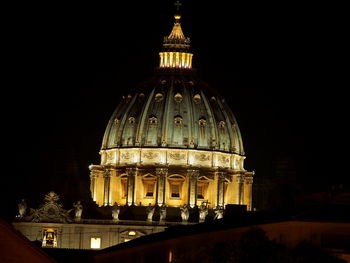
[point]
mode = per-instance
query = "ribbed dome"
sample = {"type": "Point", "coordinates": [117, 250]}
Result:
{"type": "Point", "coordinates": [172, 141]}
{"type": "Point", "coordinates": [174, 109]}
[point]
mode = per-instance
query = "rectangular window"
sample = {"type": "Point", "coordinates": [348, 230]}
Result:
{"type": "Point", "coordinates": [95, 242]}
{"type": "Point", "coordinates": [149, 189]}
{"type": "Point", "coordinates": [175, 190]}
{"type": "Point", "coordinates": [200, 192]}
{"type": "Point", "coordinates": [50, 238]}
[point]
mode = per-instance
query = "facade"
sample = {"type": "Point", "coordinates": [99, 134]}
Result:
{"type": "Point", "coordinates": [172, 141]}
{"type": "Point", "coordinates": [56, 227]}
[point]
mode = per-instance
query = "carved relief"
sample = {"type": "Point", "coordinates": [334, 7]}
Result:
{"type": "Point", "coordinates": [202, 157]}
{"type": "Point", "coordinates": [150, 155]}
{"type": "Point", "coordinates": [224, 159]}
{"type": "Point", "coordinates": [109, 156]}
{"type": "Point", "coordinates": [127, 156]}
{"type": "Point", "coordinates": [177, 156]}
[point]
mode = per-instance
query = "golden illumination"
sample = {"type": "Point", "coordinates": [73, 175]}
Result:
{"type": "Point", "coordinates": [95, 242]}
{"type": "Point", "coordinates": [132, 233]}
{"type": "Point", "coordinates": [175, 60]}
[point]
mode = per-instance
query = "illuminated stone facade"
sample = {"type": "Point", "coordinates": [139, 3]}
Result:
{"type": "Point", "coordinates": [173, 140]}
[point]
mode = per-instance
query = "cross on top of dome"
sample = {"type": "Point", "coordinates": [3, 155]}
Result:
{"type": "Point", "coordinates": [177, 4]}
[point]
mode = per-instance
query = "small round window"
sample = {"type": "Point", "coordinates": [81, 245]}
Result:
{"type": "Point", "coordinates": [178, 97]}
{"type": "Point", "coordinates": [197, 98]}
{"type": "Point", "coordinates": [158, 97]}
{"type": "Point", "coordinates": [132, 120]}
{"type": "Point", "coordinates": [178, 120]}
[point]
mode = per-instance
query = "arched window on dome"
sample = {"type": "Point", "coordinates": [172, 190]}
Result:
{"type": "Point", "coordinates": [178, 120]}
{"type": "Point", "coordinates": [178, 97]}
{"type": "Point", "coordinates": [197, 98]}
{"type": "Point", "coordinates": [158, 97]}
{"type": "Point", "coordinates": [132, 120]}
{"type": "Point", "coordinates": [152, 120]}
{"type": "Point", "coordinates": [221, 124]}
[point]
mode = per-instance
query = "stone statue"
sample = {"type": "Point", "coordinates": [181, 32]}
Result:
{"type": "Point", "coordinates": [78, 209]}
{"type": "Point", "coordinates": [203, 211]}
{"type": "Point", "coordinates": [150, 211]}
{"type": "Point", "coordinates": [162, 212]}
{"type": "Point", "coordinates": [115, 211]}
{"type": "Point", "coordinates": [22, 208]}
{"type": "Point", "coordinates": [184, 213]}
{"type": "Point", "coordinates": [219, 212]}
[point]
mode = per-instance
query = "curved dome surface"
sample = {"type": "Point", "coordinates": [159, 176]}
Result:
{"type": "Point", "coordinates": [172, 141]}
{"type": "Point", "coordinates": [174, 109]}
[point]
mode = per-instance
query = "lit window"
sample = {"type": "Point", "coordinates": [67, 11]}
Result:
{"type": "Point", "coordinates": [149, 189]}
{"type": "Point", "coordinates": [222, 124]}
{"type": "Point", "coordinates": [178, 97]}
{"type": "Point", "coordinates": [95, 242]}
{"type": "Point", "coordinates": [50, 238]}
{"type": "Point", "coordinates": [175, 190]}
{"type": "Point", "coordinates": [152, 120]}
{"type": "Point", "coordinates": [202, 187]}
{"type": "Point", "coordinates": [131, 120]}
{"type": "Point", "coordinates": [200, 192]}
{"type": "Point", "coordinates": [132, 233]}
{"type": "Point", "coordinates": [202, 122]}
{"type": "Point", "coordinates": [158, 97]}
{"type": "Point", "coordinates": [178, 120]}
{"type": "Point", "coordinates": [126, 239]}
{"type": "Point", "coordinates": [197, 98]}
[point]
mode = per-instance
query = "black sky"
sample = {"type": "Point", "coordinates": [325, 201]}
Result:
{"type": "Point", "coordinates": [280, 68]}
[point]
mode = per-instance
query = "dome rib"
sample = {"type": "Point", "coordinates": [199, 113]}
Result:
{"type": "Point", "coordinates": [141, 125]}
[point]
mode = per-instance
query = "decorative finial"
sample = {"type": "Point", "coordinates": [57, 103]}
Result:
{"type": "Point", "coordinates": [178, 4]}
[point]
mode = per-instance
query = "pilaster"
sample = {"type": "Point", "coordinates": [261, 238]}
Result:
{"type": "Point", "coordinates": [192, 187]}
{"type": "Point", "coordinates": [113, 186]}
{"type": "Point", "coordinates": [161, 179]}
{"type": "Point", "coordinates": [93, 185]}
{"type": "Point", "coordinates": [106, 176]}
{"type": "Point", "coordinates": [131, 194]}
{"type": "Point", "coordinates": [220, 188]}
{"type": "Point", "coordinates": [248, 187]}
{"type": "Point", "coordinates": [238, 188]}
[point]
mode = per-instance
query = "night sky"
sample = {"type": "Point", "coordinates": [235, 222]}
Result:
{"type": "Point", "coordinates": [278, 66]}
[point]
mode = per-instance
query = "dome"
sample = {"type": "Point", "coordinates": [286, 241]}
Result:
{"type": "Point", "coordinates": [174, 109]}
{"type": "Point", "coordinates": [172, 141]}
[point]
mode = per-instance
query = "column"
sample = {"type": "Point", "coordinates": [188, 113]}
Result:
{"type": "Point", "coordinates": [92, 185]}
{"type": "Point", "coordinates": [248, 187]}
{"type": "Point", "coordinates": [192, 187]}
{"type": "Point", "coordinates": [161, 179]}
{"type": "Point", "coordinates": [113, 186]}
{"type": "Point", "coordinates": [106, 176]}
{"type": "Point", "coordinates": [99, 186]}
{"type": "Point", "coordinates": [221, 187]}
{"type": "Point", "coordinates": [130, 196]}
